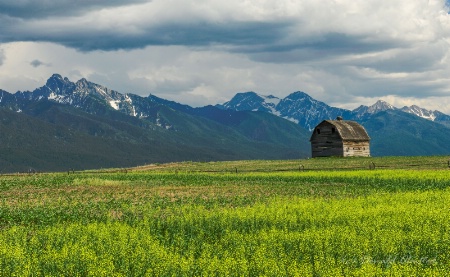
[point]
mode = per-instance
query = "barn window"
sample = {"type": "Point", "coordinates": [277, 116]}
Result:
{"type": "Point", "coordinates": [318, 131]}
{"type": "Point", "coordinates": [333, 130]}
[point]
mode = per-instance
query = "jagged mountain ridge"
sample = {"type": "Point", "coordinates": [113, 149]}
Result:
{"type": "Point", "coordinates": [379, 106]}
{"type": "Point", "coordinates": [90, 97]}
{"type": "Point", "coordinates": [83, 93]}
{"type": "Point", "coordinates": [83, 125]}
{"type": "Point", "coordinates": [251, 101]}
{"type": "Point", "coordinates": [297, 107]}
{"type": "Point", "coordinates": [304, 110]}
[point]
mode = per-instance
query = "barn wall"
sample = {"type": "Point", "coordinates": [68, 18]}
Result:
{"type": "Point", "coordinates": [326, 150]}
{"type": "Point", "coordinates": [356, 149]}
{"type": "Point", "coordinates": [327, 143]}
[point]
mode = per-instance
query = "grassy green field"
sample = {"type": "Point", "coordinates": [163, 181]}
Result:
{"type": "Point", "coordinates": [317, 217]}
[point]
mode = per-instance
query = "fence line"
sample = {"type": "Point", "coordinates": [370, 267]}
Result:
{"type": "Point", "coordinates": [371, 166]}
{"type": "Point", "coordinates": [236, 170]}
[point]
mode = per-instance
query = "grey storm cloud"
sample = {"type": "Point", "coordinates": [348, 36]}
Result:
{"type": "Point", "coordinates": [319, 48]}
{"type": "Point", "coordinates": [257, 29]}
{"type": "Point", "coordinates": [90, 25]}
{"type": "Point", "coordinates": [36, 63]}
{"type": "Point", "coordinates": [26, 9]}
{"type": "Point", "coordinates": [259, 26]}
{"type": "Point", "coordinates": [90, 38]}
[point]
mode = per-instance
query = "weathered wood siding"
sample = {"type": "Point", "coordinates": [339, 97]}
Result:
{"type": "Point", "coordinates": [356, 149]}
{"type": "Point", "coordinates": [326, 142]}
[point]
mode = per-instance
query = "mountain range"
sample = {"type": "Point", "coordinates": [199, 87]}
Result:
{"type": "Point", "coordinates": [82, 125]}
{"type": "Point", "coordinates": [304, 110]}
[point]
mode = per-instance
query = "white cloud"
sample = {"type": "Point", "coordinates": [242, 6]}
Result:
{"type": "Point", "coordinates": [2, 56]}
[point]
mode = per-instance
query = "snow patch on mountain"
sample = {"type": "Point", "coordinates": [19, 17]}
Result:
{"type": "Point", "coordinates": [420, 112]}
{"type": "Point", "coordinates": [270, 102]}
{"type": "Point", "coordinates": [291, 119]}
{"type": "Point", "coordinates": [114, 104]}
{"type": "Point", "coordinates": [130, 103]}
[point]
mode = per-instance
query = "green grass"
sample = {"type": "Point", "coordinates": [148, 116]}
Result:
{"type": "Point", "coordinates": [203, 219]}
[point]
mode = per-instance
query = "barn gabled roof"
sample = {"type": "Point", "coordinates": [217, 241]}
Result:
{"type": "Point", "coordinates": [348, 130]}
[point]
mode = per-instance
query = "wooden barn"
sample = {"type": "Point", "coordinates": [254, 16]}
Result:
{"type": "Point", "coordinates": [339, 138]}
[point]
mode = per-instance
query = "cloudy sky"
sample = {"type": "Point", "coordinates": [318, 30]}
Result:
{"type": "Point", "coordinates": [199, 52]}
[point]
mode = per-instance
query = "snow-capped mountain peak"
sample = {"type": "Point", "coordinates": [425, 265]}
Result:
{"type": "Point", "coordinates": [420, 112]}
{"type": "Point", "coordinates": [297, 107]}
{"type": "Point", "coordinates": [380, 106]}
{"type": "Point", "coordinates": [251, 101]}
{"type": "Point", "coordinates": [301, 108]}
{"type": "Point", "coordinates": [57, 85]}
{"type": "Point", "coordinates": [79, 94]}
{"type": "Point", "coordinates": [298, 95]}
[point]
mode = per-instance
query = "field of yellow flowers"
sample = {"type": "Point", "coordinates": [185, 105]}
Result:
{"type": "Point", "coordinates": [198, 219]}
